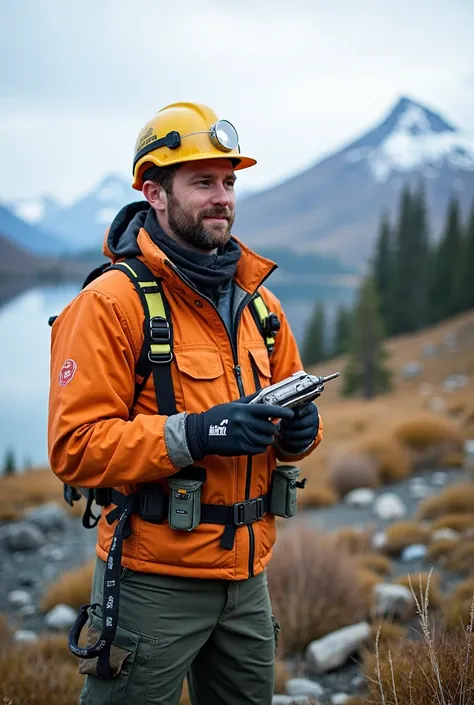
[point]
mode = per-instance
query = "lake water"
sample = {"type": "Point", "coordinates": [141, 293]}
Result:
{"type": "Point", "coordinates": [25, 354]}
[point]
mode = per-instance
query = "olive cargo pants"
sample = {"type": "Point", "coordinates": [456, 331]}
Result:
{"type": "Point", "coordinates": [219, 633]}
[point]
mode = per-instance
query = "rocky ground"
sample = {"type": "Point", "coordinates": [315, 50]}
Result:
{"type": "Point", "coordinates": [68, 545]}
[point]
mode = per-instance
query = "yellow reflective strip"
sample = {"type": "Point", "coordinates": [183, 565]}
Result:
{"type": "Point", "coordinates": [270, 341]}
{"type": "Point", "coordinates": [124, 264]}
{"type": "Point", "coordinates": [160, 349]}
{"type": "Point", "coordinates": [146, 284]}
{"type": "Point", "coordinates": [261, 307]}
{"type": "Point", "coordinates": [155, 305]}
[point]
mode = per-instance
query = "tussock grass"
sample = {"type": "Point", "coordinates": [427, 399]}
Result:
{"type": "Point", "coordinates": [314, 587]}
{"type": "Point", "coordinates": [419, 582]}
{"type": "Point", "coordinates": [348, 471]}
{"type": "Point", "coordinates": [438, 550]}
{"type": "Point", "coordinates": [429, 431]}
{"type": "Point", "coordinates": [436, 669]}
{"type": "Point", "coordinates": [458, 498]}
{"type": "Point", "coordinates": [317, 495]}
{"type": "Point", "coordinates": [405, 533]}
{"type": "Point", "coordinates": [29, 489]}
{"type": "Point", "coordinates": [353, 540]}
{"type": "Point", "coordinates": [457, 606]}
{"type": "Point", "coordinates": [73, 588]}
{"type": "Point", "coordinates": [282, 675]}
{"type": "Point", "coordinates": [387, 633]}
{"type": "Point", "coordinates": [368, 579]}
{"type": "Point", "coordinates": [391, 458]}
{"type": "Point", "coordinates": [375, 562]}
{"type": "Point", "coordinates": [453, 459]}
{"type": "Point", "coordinates": [461, 558]}
{"type": "Point", "coordinates": [456, 522]}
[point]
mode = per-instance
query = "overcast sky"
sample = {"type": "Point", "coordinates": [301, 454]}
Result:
{"type": "Point", "coordinates": [79, 78]}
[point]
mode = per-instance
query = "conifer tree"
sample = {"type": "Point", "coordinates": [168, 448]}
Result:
{"type": "Point", "coordinates": [366, 370]}
{"type": "Point", "coordinates": [383, 270]}
{"type": "Point", "coordinates": [313, 350]}
{"type": "Point", "coordinates": [342, 331]}
{"type": "Point", "coordinates": [9, 465]}
{"type": "Point", "coordinates": [468, 263]}
{"type": "Point", "coordinates": [445, 289]}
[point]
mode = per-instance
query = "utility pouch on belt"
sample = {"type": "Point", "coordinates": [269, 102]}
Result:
{"type": "Point", "coordinates": [184, 512]}
{"type": "Point", "coordinates": [284, 490]}
{"type": "Point", "coordinates": [152, 503]}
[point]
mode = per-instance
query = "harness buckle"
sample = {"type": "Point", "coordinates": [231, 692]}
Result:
{"type": "Point", "coordinates": [249, 511]}
{"type": "Point", "coordinates": [160, 330]}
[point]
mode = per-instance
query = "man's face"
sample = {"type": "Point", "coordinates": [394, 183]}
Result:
{"type": "Point", "coordinates": [201, 205]}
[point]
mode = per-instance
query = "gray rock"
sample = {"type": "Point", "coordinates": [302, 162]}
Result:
{"type": "Point", "coordinates": [429, 349]}
{"type": "Point", "coordinates": [22, 536]}
{"type": "Point", "coordinates": [60, 617]}
{"type": "Point", "coordinates": [412, 369]}
{"type": "Point", "coordinates": [303, 686]}
{"type": "Point", "coordinates": [379, 540]}
{"type": "Point", "coordinates": [27, 610]}
{"type": "Point", "coordinates": [415, 552]}
{"type": "Point", "coordinates": [362, 497]}
{"type": "Point", "coordinates": [340, 699]}
{"type": "Point", "coordinates": [469, 447]}
{"type": "Point", "coordinates": [393, 600]}
{"type": "Point", "coordinates": [456, 381]}
{"type": "Point", "coordinates": [48, 517]}
{"type": "Point", "coordinates": [445, 533]}
{"type": "Point", "coordinates": [25, 635]}
{"type": "Point", "coordinates": [333, 650]}
{"type": "Point", "coordinates": [418, 488]}
{"type": "Point", "coordinates": [389, 506]}
{"type": "Point", "coordinates": [439, 478]}
{"type": "Point", "coordinates": [19, 598]}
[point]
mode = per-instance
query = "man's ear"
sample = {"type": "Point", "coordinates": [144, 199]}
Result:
{"type": "Point", "coordinates": [155, 195]}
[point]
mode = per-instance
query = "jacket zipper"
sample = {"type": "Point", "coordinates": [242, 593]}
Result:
{"type": "Point", "coordinates": [238, 376]}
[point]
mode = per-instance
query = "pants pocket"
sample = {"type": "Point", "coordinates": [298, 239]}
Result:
{"type": "Point", "coordinates": [131, 659]}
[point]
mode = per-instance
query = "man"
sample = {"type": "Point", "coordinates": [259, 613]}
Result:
{"type": "Point", "coordinates": [186, 451]}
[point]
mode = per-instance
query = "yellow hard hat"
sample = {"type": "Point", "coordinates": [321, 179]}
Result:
{"type": "Point", "coordinates": [185, 132]}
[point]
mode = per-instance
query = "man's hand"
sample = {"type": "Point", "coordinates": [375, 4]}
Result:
{"type": "Point", "coordinates": [297, 434]}
{"type": "Point", "coordinates": [231, 429]}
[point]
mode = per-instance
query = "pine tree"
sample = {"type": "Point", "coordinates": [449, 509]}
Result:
{"type": "Point", "coordinates": [445, 289]}
{"type": "Point", "coordinates": [421, 258]}
{"type": "Point", "coordinates": [467, 277]}
{"type": "Point", "coordinates": [402, 272]}
{"type": "Point", "coordinates": [313, 350]}
{"type": "Point", "coordinates": [366, 370]}
{"type": "Point", "coordinates": [342, 331]}
{"type": "Point", "coordinates": [383, 270]}
{"type": "Point", "coordinates": [9, 465]}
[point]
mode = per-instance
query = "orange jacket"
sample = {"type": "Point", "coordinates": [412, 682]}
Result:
{"type": "Point", "coordinates": [94, 442]}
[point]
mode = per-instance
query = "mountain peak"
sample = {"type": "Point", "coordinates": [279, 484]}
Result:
{"type": "Point", "coordinates": [415, 117]}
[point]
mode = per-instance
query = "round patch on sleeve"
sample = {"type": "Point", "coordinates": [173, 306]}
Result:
{"type": "Point", "coordinates": [67, 372]}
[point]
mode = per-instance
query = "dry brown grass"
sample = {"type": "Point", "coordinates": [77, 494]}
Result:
{"type": "Point", "coordinates": [348, 471]}
{"type": "Point", "coordinates": [458, 498]}
{"type": "Point", "coordinates": [282, 675]}
{"type": "Point", "coordinates": [457, 606]}
{"type": "Point", "coordinates": [404, 533]}
{"type": "Point", "coordinates": [391, 458]}
{"type": "Point", "coordinates": [438, 550]}
{"type": "Point", "coordinates": [353, 540]}
{"type": "Point", "coordinates": [29, 489]}
{"type": "Point", "coordinates": [368, 579]}
{"type": "Point", "coordinates": [429, 431]}
{"type": "Point", "coordinates": [418, 583]}
{"type": "Point", "coordinates": [375, 562]}
{"type": "Point", "coordinates": [73, 588]}
{"type": "Point", "coordinates": [388, 633]}
{"type": "Point", "coordinates": [313, 586]}
{"type": "Point", "coordinates": [314, 495]}
{"type": "Point", "coordinates": [38, 673]}
{"type": "Point", "coordinates": [457, 522]}
{"type": "Point", "coordinates": [461, 558]}
{"type": "Point", "coordinates": [453, 459]}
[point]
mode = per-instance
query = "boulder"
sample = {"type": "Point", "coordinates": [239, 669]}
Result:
{"type": "Point", "coordinates": [333, 650]}
{"type": "Point", "coordinates": [389, 506]}
{"type": "Point", "coordinates": [303, 686]}
{"type": "Point", "coordinates": [50, 516]}
{"type": "Point", "coordinates": [22, 536]}
{"type": "Point", "coordinates": [393, 600]}
{"type": "Point", "coordinates": [415, 552]}
{"type": "Point", "coordinates": [60, 617]}
{"type": "Point", "coordinates": [362, 497]}
{"type": "Point", "coordinates": [25, 635]}
{"type": "Point", "coordinates": [19, 598]}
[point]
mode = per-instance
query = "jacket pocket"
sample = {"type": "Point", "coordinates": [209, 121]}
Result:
{"type": "Point", "coordinates": [202, 378]}
{"type": "Point", "coordinates": [260, 366]}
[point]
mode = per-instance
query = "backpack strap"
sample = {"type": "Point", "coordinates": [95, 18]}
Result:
{"type": "Point", "coordinates": [267, 322]}
{"type": "Point", "coordinates": [157, 351]}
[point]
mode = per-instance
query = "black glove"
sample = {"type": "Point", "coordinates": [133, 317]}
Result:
{"type": "Point", "coordinates": [296, 434]}
{"type": "Point", "coordinates": [236, 428]}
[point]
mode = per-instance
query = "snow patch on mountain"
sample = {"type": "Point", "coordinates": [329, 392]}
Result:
{"type": "Point", "coordinates": [32, 211]}
{"type": "Point", "coordinates": [414, 146]}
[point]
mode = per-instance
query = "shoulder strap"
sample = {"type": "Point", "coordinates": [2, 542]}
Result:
{"type": "Point", "coordinates": [267, 322]}
{"type": "Point", "coordinates": [157, 350]}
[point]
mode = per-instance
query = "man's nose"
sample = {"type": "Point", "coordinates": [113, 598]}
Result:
{"type": "Point", "coordinates": [220, 195]}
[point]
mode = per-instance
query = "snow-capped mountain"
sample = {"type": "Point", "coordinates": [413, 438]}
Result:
{"type": "Point", "coordinates": [334, 207]}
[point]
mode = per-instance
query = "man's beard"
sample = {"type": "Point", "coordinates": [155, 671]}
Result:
{"type": "Point", "coordinates": [193, 231]}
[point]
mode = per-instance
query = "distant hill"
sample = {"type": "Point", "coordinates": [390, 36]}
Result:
{"type": "Point", "coordinates": [29, 237]}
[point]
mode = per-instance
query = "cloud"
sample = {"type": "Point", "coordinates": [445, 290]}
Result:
{"type": "Point", "coordinates": [79, 80]}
